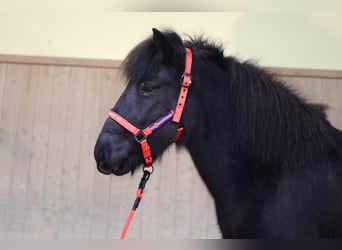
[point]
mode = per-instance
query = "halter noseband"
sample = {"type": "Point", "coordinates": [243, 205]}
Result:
{"type": "Point", "coordinates": [141, 135]}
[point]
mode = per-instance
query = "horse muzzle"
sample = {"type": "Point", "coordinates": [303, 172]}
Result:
{"type": "Point", "coordinates": [110, 157]}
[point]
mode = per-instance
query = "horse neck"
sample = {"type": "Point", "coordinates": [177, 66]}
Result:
{"type": "Point", "coordinates": [208, 131]}
{"type": "Point", "coordinates": [244, 119]}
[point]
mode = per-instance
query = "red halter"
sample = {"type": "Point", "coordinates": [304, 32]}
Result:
{"type": "Point", "coordinates": [141, 135]}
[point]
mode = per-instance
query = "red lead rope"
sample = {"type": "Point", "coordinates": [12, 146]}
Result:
{"type": "Point", "coordinates": [140, 194]}
{"type": "Point", "coordinates": [141, 135]}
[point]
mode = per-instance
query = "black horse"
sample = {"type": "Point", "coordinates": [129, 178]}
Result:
{"type": "Point", "coordinates": [271, 160]}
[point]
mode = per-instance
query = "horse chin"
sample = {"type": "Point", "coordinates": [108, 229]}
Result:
{"type": "Point", "coordinates": [103, 169]}
{"type": "Point", "coordinates": [121, 169]}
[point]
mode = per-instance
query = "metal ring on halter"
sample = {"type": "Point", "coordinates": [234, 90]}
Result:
{"type": "Point", "coordinates": [149, 169]}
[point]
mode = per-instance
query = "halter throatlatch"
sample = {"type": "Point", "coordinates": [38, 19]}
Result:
{"type": "Point", "coordinates": [141, 135]}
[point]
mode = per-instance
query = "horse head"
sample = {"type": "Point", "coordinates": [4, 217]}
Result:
{"type": "Point", "coordinates": [153, 70]}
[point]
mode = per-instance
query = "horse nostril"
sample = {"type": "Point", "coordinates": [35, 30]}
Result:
{"type": "Point", "coordinates": [101, 156]}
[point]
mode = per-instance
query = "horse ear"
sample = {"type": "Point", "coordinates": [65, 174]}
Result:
{"type": "Point", "coordinates": [158, 37]}
{"type": "Point", "coordinates": [169, 45]}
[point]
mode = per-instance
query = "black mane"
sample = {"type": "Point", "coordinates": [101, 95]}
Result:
{"type": "Point", "coordinates": [273, 120]}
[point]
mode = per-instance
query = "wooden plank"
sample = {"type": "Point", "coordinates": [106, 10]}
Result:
{"type": "Point", "coordinates": [314, 89]}
{"type": "Point", "coordinates": [34, 219]}
{"type": "Point", "coordinates": [289, 81]}
{"type": "Point", "coordinates": [3, 71]}
{"type": "Point", "coordinates": [83, 200]}
{"type": "Point", "coordinates": [71, 155]}
{"type": "Point", "coordinates": [99, 216]}
{"type": "Point", "coordinates": [199, 216]}
{"type": "Point", "coordinates": [102, 184]}
{"type": "Point", "coordinates": [183, 190]}
{"type": "Point", "coordinates": [8, 128]}
{"type": "Point", "coordinates": [296, 84]}
{"type": "Point", "coordinates": [3, 190]}
{"type": "Point", "coordinates": [25, 96]}
{"type": "Point", "coordinates": [54, 165]}
{"type": "Point", "coordinates": [301, 86]}
{"type": "Point", "coordinates": [167, 194]}
{"type": "Point", "coordinates": [330, 97]}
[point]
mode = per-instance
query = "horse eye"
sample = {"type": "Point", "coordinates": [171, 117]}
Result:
{"type": "Point", "coordinates": [145, 89]}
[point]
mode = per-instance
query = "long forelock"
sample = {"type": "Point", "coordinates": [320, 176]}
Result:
{"type": "Point", "coordinates": [145, 59]}
{"type": "Point", "coordinates": [141, 60]}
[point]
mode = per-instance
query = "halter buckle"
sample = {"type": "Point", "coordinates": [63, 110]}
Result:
{"type": "Point", "coordinates": [183, 82]}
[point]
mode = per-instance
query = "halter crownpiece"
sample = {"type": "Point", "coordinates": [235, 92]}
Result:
{"type": "Point", "coordinates": [141, 135]}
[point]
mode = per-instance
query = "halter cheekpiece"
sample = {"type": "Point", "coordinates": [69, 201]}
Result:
{"type": "Point", "coordinates": [141, 135]}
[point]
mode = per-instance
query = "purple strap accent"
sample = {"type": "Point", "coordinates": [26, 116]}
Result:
{"type": "Point", "coordinates": [161, 121]}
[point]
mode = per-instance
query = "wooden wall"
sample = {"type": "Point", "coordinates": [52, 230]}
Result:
{"type": "Point", "coordinates": [51, 111]}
